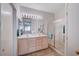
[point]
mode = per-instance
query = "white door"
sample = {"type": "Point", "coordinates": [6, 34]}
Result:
{"type": "Point", "coordinates": [6, 29]}
{"type": "Point", "coordinates": [72, 28]}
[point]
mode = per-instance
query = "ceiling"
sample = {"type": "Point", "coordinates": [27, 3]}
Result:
{"type": "Point", "coordinates": [47, 7]}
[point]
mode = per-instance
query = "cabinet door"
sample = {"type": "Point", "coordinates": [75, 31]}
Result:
{"type": "Point", "coordinates": [38, 43]}
{"type": "Point", "coordinates": [44, 42]}
{"type": "Point", "coordinates": [23, 46]}
{"type": "Point", "coordinates": [32, 46]}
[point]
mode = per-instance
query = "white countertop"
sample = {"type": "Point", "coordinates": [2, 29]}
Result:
{"type": "Point", "coordinates": [31, 35]}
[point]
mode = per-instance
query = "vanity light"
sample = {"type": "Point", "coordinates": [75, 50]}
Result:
{"type": "Point", "coordinates": [32, 16]}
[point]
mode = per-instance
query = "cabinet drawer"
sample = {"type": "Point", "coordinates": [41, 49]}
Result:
{"type": "Point", "coordinates": [38, 44]}
{"type": "Point", "coordinates": [31, 46]}
{"type": "Point", "coordinates": [23, 51]}
{"type": "Point", "coordinates": [44, 45]}
{"type": "Point", "coordinates": [31, 49]}
{"type": "Point", "coordinates": [38, 47]}
{"type": "Point", "coordinates": [44, 40]}
{"type": "Point", "coordinates": [38, 40]}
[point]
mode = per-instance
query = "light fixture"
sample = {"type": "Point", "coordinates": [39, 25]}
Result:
{"type": "Point", "coordinates": [31, 16]}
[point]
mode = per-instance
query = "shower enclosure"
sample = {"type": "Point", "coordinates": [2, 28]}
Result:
{"type": "Point", "coordinates": [59, 35]}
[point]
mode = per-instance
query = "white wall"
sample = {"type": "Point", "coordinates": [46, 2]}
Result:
{"type": "Point", "coordinates": [47, 18]}
{"type": "Point", "coordinates": [73, 28]}
{"type": "Point", "coordinates": [60, 14]}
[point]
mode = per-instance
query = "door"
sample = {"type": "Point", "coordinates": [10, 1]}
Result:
{"type": "Point", "coordinates": [7, 30]}
{"type": "Point", "coordinates": [72, 22]}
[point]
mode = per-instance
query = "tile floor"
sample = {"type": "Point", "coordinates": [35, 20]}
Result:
{"type": "Point", "coordinates": [44, 52]}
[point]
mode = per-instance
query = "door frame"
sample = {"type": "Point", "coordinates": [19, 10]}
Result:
{"type": "Point", "coordinates": [66, 28]}
{"type": "Point", "coordinates": [14, 48]}
{"type": "Point", "coordinates": [0, 29]}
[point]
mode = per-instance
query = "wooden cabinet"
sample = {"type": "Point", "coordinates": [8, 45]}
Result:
{"type": "Point", "coordinates": [38, 43]}
{"type": "Point", "coordinates": [29, 45]}
{"type": "Point", "coordinates": [32, 44]}
{"type": "Point", "coordinates": [44, 42]}
{"type": "Point", "coordinates": [23, 46]}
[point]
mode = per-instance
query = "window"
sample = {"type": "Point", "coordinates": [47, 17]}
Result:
{"type": "Point", "coordinates": [27, 28]}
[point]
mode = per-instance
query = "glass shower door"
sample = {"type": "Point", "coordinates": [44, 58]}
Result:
{"type": "Point", "coordinates": [60, 35]}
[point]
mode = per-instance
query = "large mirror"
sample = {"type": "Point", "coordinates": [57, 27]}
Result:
{"type": "Point", "coordinates": [30, 26]}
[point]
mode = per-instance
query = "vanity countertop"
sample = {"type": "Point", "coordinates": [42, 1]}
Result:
{"type": "Point", "coordinates": [31, 35]}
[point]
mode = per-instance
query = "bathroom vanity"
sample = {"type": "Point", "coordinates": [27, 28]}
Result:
{"type": "Point", "coordinates": [31, 43]}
